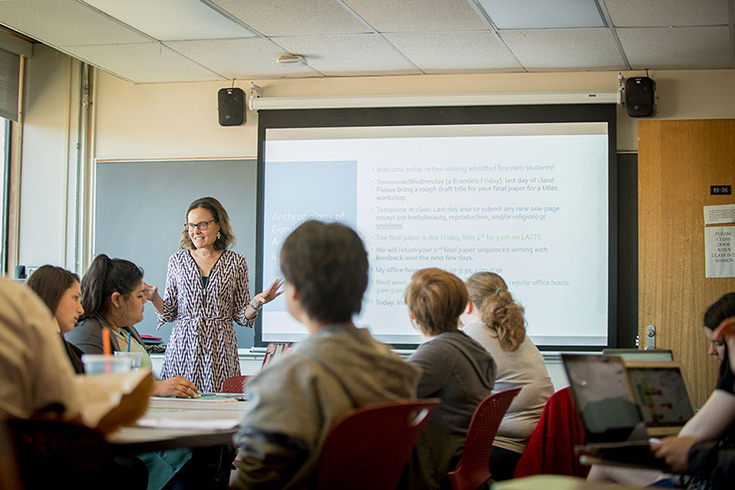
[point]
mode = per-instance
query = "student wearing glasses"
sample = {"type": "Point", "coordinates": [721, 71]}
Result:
{"type": "Point", "coordinates": [207, 288]}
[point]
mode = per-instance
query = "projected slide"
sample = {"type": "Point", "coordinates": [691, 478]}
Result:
{"type": "Point", "coordinates": [529, 201]}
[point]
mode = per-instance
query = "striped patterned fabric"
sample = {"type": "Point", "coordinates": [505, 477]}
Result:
{"type": "Point", "coordinates": [203, 345]}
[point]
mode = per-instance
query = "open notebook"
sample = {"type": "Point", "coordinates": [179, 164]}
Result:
{"type": "Point", "coordinates": [623, 404]}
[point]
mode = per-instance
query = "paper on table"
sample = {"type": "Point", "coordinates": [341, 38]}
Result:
{"type": "Point", "coordinates": [173, 423]}
{"type": "Point", "coordinates": [202, 399]}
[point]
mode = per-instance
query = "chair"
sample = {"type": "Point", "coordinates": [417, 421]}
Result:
{"type": "Point", "coordinates": [368, 448]}
{"type": "Point", "coordinates": [550, 449]}
{"type": "Point", "coordinates": [472, 470]}
{"type": "Point", "coordinates": [9, 477]}
{"type": "Point", "coordinates": [51, 453]}
{"type": "Point", "coordinates": [235, 384]}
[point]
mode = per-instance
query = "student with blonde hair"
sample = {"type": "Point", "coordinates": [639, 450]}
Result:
{"type": "Point", "coordinates": [496, 321]}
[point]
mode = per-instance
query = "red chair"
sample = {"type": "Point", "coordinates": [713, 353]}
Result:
{"type": "Point", "coordinates": [550, 450]}
{"type": "Point", "coordinates": [9, 474]}
{"type": "Point", "coordinates": [368, 448]}
{"type": "Point", "coordinates": [472, 470]}
{"type": "Point", "coordinates": [52, 452]}
{"type": "Point", "coordinates": [235, 384]}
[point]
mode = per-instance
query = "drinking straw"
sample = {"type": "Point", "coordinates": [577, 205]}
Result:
{"type": "Point", "coordinates": [128, 341]}
{"type": "Point", "coordinates": [106, 347]}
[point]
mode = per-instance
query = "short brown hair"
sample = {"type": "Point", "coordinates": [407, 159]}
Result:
{"type": "Point", "coordinates": [327, 265]}
{"type": "Point", "coordinates": [436, 298]}
{"type": "Point", "coordinates": [50, 283]}
{"type": "Point", "coordinates": [227, 236]}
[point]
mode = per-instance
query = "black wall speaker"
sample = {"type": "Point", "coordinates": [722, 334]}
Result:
{"type": "Point", "coordinates": [640, 94]}
{"type": "Point", "coordinates": [231, 106]}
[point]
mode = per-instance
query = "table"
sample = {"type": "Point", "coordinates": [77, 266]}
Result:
{"type": "Point", "coordinates": [556, 482]}
{"type": "Point", "coordinates": [180, 423]}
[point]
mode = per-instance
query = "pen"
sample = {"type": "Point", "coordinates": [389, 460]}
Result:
{"type": "Point", "coordinates": [128, 341]}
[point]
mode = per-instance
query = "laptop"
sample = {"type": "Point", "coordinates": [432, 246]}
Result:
{"type": "Point", "coordinates": [616, 400]}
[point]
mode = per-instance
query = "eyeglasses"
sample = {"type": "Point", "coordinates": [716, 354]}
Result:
{"type": "Point", "coordinates": [202, 225]}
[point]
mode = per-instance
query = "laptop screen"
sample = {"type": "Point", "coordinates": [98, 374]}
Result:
{"type": "Point", "coordinates": [661, 393]}
{"type": "Point", "coordinates": [603, 398]}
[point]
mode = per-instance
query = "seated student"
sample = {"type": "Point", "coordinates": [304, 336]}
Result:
{"type": "Point", "coordinates": [35, 370]}
{"type": "Point", "coordinates": [711, 462]}
{"type": "Point", "coordinates": [704, 439]}
{"type": "Point", "coordinates": [338, 368]}
{"type": "Point", "coordinates": [38, 380]}
{"type": "Point", "coordinates": [113, 295]}
{"type": "Point", "coordinates": [59, 290]}
{"type": "Point", "coordinates": [496, 321]}
{"type": "Point", "coordinates": [455, 369]}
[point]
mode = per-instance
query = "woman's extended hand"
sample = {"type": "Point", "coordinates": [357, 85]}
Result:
{"type": "Point", "coordinates": [271, 293]}
{"type": "Point", "coordinates": [151, 294]}
{"type": "Point", "coordinates": [176, 386]}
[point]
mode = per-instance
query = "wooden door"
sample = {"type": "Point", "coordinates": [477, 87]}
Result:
{"type": "Point", "coordinates": [678, 161]}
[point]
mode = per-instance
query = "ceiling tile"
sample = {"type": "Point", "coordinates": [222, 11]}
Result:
{"type": "Point", "coordinates": [143, 63]}
{"type": "Point", "coordinates": [241, 58]}
{"type": "Point", "coordinates": [184, 19]}
{"type": "Point", "coordinates": [463, 52]}
{"type": "Point", "coordinates": [565, 49]}
{"type": "Point", "coordinates": [293, 17]}
{"type": "Point", "coordinates": [665, 13]}
{"type": "Point", "coordinates": [674, 48]}
{"type": "Point", "coordinates": [419, 15]}
{"type": "Point", "coordinates": [348, 55]}
{"type": "Point", "coordinates": [542, 14]}
{"type": "Point", "coordinates": [65, 22]}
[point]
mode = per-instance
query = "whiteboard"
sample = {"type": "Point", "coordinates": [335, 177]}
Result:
{"type": "Point", "coordinates": [139, 215]}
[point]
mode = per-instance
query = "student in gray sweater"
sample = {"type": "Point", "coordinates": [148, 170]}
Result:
{"type": "Point", "coordinates": [298, 398]}
{"type": "Point", "coordinates": [455, 369]}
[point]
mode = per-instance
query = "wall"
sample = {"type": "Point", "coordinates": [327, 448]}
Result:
{"type": "Point", "coordinates": [180, 121]}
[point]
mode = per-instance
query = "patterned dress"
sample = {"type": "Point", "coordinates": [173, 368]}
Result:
{"type": "Point", "coordinates": [203, 346]}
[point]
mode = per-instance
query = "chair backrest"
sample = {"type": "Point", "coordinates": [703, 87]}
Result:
{"type": "Point", "coordinates": [368, 448]}
{"type": "Point", "coordinates": [473, 468]}
{"type": "Point", "coordinates": [550, 449]}
{"type": "Point", "coordinates": [9, 476]}
{"type": "Point", "coordinates": [50, 452]}
{"type": "Point", "coordinates": [235, 384]}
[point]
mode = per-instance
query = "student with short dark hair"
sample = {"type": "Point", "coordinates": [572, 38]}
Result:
{"type": "Point", "coordinates": [337, 369]}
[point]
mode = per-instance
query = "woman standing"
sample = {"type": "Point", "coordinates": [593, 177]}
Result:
{"type": "Point", "coordinates": [496, 321]}
{"type": "Point", "coordinates": [455, 369]}
{"type": "Point", "coordinates": [207, 288]}
{"type": "Point", "coordinates": [59, 289]}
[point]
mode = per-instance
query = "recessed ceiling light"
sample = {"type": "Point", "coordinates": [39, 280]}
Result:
{"type": "Point", "coordinates": [543, 14]}
{"type": "Point", "coordinates": [172, 20]}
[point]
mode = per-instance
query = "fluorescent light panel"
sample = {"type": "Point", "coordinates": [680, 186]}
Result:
{"type": "Point", "coordinates": [172, 20]}
{"type": "Point", "coordinates": [543, 14]}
